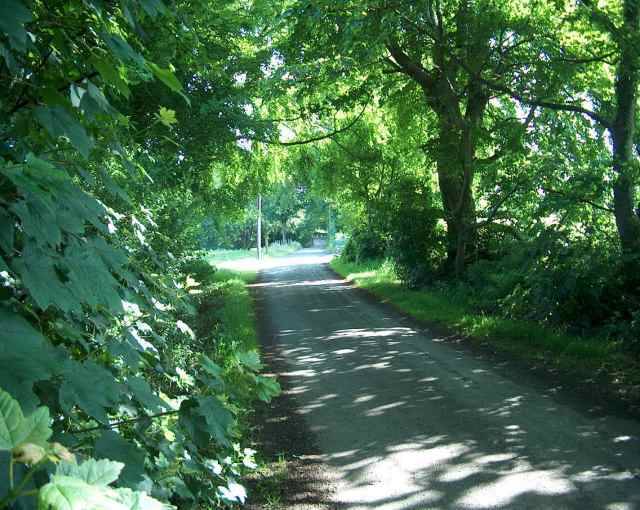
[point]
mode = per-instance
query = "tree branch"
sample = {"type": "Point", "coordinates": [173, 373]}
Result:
{"type": "Point", "coordinates": [116, 424]}
{"type": "Point", "coordinates": [578, 199]}
{"type": "Point", "coordinates": [325, 136]}
{"type": "Point", "coordinates": [410, 68]}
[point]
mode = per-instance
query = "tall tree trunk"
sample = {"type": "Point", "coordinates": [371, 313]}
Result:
{"type": "Point", "coordinates": [623, 131]}
{"type": "Point", "coordinates": [455, 176]}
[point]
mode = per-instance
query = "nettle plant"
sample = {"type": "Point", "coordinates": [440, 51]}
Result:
{"type": "Point", "coordinates": [91, 316]}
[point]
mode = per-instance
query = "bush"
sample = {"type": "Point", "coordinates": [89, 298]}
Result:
{"type": "Point", "coordinates": [198, 268]}
{"type": "Point", "coordinates": [364, 244]}
{"type": "Point", "coordinates": [417, 243]}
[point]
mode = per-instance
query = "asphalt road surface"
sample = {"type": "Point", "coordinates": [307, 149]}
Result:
{"type": "Point", "coordinates": [404, 419]}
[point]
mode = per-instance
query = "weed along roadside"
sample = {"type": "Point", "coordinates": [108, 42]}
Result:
{"type": "Point", "coordinates": [593, 367]}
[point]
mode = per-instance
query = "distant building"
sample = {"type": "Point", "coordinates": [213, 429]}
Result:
{"type": "Point", "coordinates": [319, 238]}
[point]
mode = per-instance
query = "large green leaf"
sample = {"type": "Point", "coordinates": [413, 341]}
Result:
{"type": "Point", "coordinates": [37, 268]}
{"type": "Point", "coordinates": [11, 422]}
{"type": "Point", "coordinates": [25, 357]}
{"type": "Point", "coordinates": [13, 16]}
{"type": "Point", "coordinates": [38, 425]}
{"type": "Point", "coordinates": [250, 359]}
{"type": "Point", "coordinates": [58, 122]}
{"type": "Point", "coordinates": [90, 387]}
{"type": "Point", "coordinates": [16, 429]}
{"type": "Point", "coordinates": [136, 500]}
{"type": "Point", "coordinates": [167, 77]}
{"type": "Point", "coordinates": [89, 279]}
{"type": "Point", "coordinates": [122, 50]}
{"type": "Point", "coordinates": [153, 7]}
{"type": "Point", "coordinates": [69, 493]}
{"type": "Point", "coordinates": [110, 73]}
{"type": "Point", "coordinates": [38, 220]}
{"type": "Point", "coordinates": [143, 393]}
{"type": "Point", "coordinates": [92, 471]}
{"type": "Point", "coordinates": [87, 487]}
{"type": "Point", "coordinates": [113, 446]}
{"type": "Point", "coordinates": [267, 388]}
{"type": "Point", "coordinates": [218, 418]}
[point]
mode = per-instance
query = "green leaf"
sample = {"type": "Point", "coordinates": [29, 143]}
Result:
{"type": "Point", "coordinates": [69, 493]}
{"type": "Point", "coordinates": [113, 446]}
{"type": "Point", "coordinates": [58, 122]}
{"type": "Point", "coordinates": [122, 50]}
{"type": "Point", "coordinates": [267, 388]}
{"type": "Point", "coordinates": [25, 357]}
{"type": "Point", "coordinates": [90, 99]}
{"type": "Point", "coordinates": [89, 279]}
{"type": "Point", "coordinates": [15, 429]}
{"type": "Point", "coordinates": [166, 117]}
{"type": "Point", "coordinates": [145, 395]}
{"type": "Point", "coordinates": [13, 16]}
{"type": "Point", "coordinates": [110, 74]}
{"type": "Point", "coordinates": [153, 7]}
{"type": "Point", "coordinates": [37, 269]}
{"type": "Point", "coordinates": [7, 228]}
{"type": "Point", "coordinates": [167, 77]}
{"type": "Point", "coordinates": [79, 388]}
{"type": "Point", "coordinates": [210, 367]}
{"type": "Point", "coordinates": [137, 500]}
{"type": "Point", "coordinates": [219, 419]}
{"type": "Point", "coordinates": [92, 471]}
{"type": "Point", "coordinates": [250, 359]}
{"type": "Point", "coordinates": [86, 488]}
{"type": "Point", "coordinates": [38, 425]}
{"type": "Point", "coordinates": [11, 422]}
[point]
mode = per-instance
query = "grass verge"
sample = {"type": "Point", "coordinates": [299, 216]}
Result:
{"type": "Point", "coordinates": [587, 357]}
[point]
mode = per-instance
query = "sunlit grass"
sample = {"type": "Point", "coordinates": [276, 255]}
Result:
{"type": "Point", "coordinates": [525, 339]}
{"type": "Point", "coordinates": [274, 250]}
{"type": "Point", "coordinates": [235, 313]}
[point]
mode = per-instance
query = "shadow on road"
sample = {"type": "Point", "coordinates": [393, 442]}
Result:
{"type": "Point", "coordinates": [405, 421]}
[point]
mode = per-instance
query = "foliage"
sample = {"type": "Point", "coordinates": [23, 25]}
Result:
{"type": "Point", "coordinates": [98, 212]}
{"type": "Point", "coordinates": [416, 246]}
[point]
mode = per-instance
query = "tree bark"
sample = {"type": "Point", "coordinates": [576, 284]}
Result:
{"type": "Point", "coordinates": [455, 177]}
{"type": "Point", "coordinates": [623, 132]}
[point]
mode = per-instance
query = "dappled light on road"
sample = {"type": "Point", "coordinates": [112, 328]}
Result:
{"type": "Point", "coordinates": [408, 421]}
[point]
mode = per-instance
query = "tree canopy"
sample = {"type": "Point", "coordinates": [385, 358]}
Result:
{"type": "Point", "coordinates": [489, 143]}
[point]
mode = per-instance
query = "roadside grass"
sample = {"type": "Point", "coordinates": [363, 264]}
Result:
{"type": "Point", "coordinates": [274, 250]}
{"type": "Point", "coordinates": [526, 340]}
{"type": "Point", "coordinates": [269, 483]}
{"type": "Point", "coordinates": [232, 313]}
{"type": "Point", "coordinates": [233, 309]}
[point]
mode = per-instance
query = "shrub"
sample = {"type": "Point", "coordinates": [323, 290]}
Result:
{"type": "Point", "coordinates": [364, 244]}
{"type": "Point", "coordinates": [416, 240]}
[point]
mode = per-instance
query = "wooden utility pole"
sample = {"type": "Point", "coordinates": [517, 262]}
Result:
{"type": "Point", "coordinates": [259, 236]}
